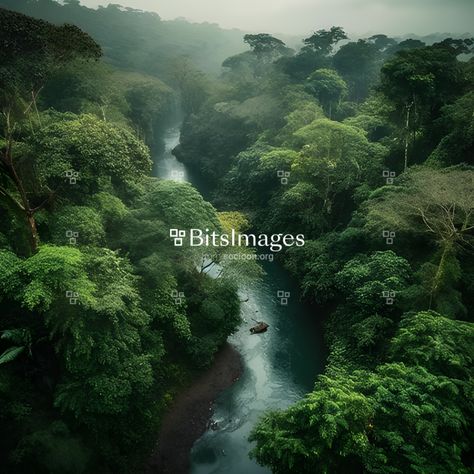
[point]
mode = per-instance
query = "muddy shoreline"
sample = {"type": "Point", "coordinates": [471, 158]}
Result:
{"type": "Point", "coordinates": [190, 413]}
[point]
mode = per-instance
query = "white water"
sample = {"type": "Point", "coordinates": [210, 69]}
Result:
{"type": "Point", "coordinates": [167, 166]}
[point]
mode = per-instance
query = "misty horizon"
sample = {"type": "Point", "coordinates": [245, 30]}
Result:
{"type": "Point", "coordinates": [299, 17]}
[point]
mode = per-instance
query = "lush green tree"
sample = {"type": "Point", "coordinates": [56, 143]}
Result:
{"type": "Point", "coordinates": [266, 47]}
{"type": "Point", "coordinates": [405, 44]}
{"type": "Point", "coordinates": [149, 101]}
{"type": "Point", "coordinates": [382, 42]}
{"type": "Point", "coordinates": [364, 279]}
{"type": "Point", "coordinates": [334, 157]}
{"type": "Point", "coordinates": [443, 345]}
{"type": "Point", "coordinates": [358, 63]}
{"type": "Point", "coordinates": [373, 116]}
{"type": "Point", "coordinates": [82, 86]}
{"type": "Point", "coordinates": [396, 419]}
{"type": "Point", "coordinates": [30, 50]}
{"type": "Point", "coordinates": [457, 125]}
{"type": "Point", "coordinates": [324, 41]}
{"type": "Point", "coordinates": [438, 205]}
{"type": "Point", "coordinates": [81, 220]}
{"type": "Point", "coordinates": [419, 82]}
{"type": "Point", "coordinates": [254, 177]}
{"type": "Point", "coordinates": [328, 87]}
{"type": "Point", "coordinates": [72, 155]}
{"type": "Point", "coordinates": [210, 139]}
{"type": "Point", "coordinates": [315, 54]}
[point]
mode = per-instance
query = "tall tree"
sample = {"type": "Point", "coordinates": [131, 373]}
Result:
{"type": "Point", "coordinates": [29, 50]}
{"type": "Point", "coordinates": [420, 82]}
{"type": "Point", "coordinates": [328, 87]}
{"type": "Point", "coordinates": [323, 41]}
{"type": "Point", "coordinates": [359, 64]}
{"type": "Point", "coordinates": [437, 204]}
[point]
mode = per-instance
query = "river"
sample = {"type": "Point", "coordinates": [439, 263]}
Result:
{"type": "Point", "coordinates": [280, 366]}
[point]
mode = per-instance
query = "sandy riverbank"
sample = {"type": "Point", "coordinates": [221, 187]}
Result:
{"type": "Point", "coordinates": [190, 413]}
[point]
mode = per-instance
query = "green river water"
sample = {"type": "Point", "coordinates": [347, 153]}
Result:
{"type": "Point", "coordinates": [280, 366]}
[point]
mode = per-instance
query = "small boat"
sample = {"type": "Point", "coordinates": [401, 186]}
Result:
{"type": "Point", "coordinates": [259, 327]}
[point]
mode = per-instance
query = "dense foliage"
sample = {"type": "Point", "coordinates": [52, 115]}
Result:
{"type": "Point", "coordinates": [139, 40]}
{"type": "Point", "coordinates": [94, 342]}
{"type": "Point", "coordinates": [366, 148]}
{"type": "Point", "coordinates": [374, 141]}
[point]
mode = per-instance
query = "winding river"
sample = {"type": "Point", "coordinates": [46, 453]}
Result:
{"type": "Point", "coordinates": [280, 366]}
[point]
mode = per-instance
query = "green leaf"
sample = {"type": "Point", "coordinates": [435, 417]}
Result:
{"type": "Point", "coordinates": [11, 353]}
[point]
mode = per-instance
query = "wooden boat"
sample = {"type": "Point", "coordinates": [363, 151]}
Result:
{"type": "Point", "coordinates": [259, 327]}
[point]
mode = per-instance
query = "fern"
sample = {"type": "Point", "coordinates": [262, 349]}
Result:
{"type": "Point", "coordinates": [11, 353]}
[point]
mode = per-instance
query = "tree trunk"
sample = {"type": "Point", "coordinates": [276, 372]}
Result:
{"type": "Point", "coordinates": [33, 237]}
{"type": "Point", "coordinates": [448, 246]}
{"type": "Point", "coordinates": [22, 204]}
{"type": "Point", "coordinates": [407, 133]}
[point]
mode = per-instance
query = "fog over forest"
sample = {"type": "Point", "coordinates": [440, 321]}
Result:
{"type": "Point", "coordinates": [297, 16]}
{"type": "Point", "coordinates": [237, 237]}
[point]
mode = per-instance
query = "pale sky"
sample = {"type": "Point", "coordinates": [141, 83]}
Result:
{"type": "Point", "coordinates": [301, 16]}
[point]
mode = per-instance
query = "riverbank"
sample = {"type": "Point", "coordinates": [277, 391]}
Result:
{"type": "Point", "coordinates": [190, 413]}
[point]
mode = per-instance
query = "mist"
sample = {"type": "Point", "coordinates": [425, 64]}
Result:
{"type": "Point", "coordinates": [297, 16]}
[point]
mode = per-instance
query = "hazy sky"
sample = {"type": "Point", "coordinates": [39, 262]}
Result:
{"type": "Point", "coordinates": [301, 16]}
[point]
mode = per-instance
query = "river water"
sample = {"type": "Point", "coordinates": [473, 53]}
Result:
{"type": "Point", "coordinates": [280, 366]}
